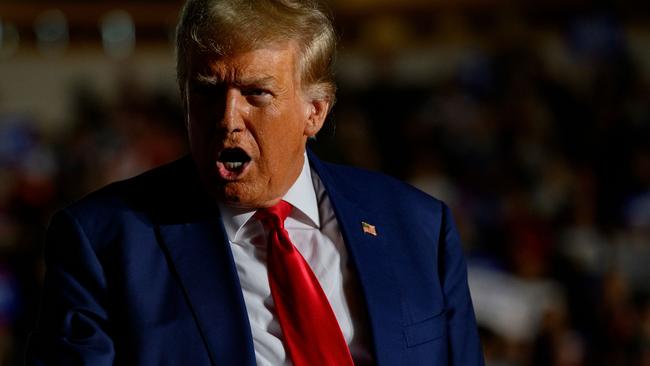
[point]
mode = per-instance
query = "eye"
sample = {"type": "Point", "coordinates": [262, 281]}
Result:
{"type": "Point", "coordinates": [255, 92]}
{"type": "Point", "coordinates": [257, 96]}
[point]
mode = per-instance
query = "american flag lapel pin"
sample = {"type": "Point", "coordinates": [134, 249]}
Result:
{"type": "Point", "coordinates": [368, 229]}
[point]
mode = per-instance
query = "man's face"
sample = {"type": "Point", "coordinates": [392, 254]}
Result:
{"type": "Point", "coordinates": [248, 122]}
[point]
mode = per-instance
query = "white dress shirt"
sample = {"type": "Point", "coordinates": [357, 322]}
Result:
{"type": "Point", "coordinates": [314, 231]}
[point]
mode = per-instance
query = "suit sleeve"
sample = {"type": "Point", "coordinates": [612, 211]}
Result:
{"type": "Point", "coordinates": [73, 325]}
{"type": "Point", "coordinates": [464, 344]}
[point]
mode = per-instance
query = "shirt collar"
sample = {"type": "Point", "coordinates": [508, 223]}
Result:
{"type": "Point", "coordinates": [301, 196]}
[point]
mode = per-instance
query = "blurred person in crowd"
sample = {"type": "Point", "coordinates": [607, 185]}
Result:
{"type": "Point", "coordinates": [252, 250]}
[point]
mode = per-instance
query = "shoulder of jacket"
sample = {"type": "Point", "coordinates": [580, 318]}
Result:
{"type": "Point", "coordinates": [376, 186]}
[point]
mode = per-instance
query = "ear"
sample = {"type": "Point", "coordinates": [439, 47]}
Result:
{"type": "Point", "coordinates": [317, 110]}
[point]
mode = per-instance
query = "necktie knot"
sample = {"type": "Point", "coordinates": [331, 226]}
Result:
{"type": "Point", "coordinates": [273, 217]}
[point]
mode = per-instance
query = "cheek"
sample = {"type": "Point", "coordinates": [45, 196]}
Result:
{"type": "Point", "coordinates": [275, 150]}
{"type": "Point", "coordinates": [195, 133]}
{"type": "Point", "coordinates": [201, 127]}
{"type": "Point", "coordinates": [198, 116]}
{"type": "Point", "coordinates": [282, 154]}
{"type": "Point", "coordinates": [200, 141]}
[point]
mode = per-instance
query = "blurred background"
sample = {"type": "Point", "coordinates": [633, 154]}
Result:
{"type": "Point", "coordinates": [529, 118]}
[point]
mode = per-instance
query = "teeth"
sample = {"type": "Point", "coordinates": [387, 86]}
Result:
{"type": "Point", "coordinates": [233, 165]}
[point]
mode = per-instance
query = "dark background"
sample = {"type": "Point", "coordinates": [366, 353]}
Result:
{"type": "Point", "coordinates": [529, 118]}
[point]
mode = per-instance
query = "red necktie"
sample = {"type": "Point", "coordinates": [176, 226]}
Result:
{"type": "Point", "coordinates": [311, 333]}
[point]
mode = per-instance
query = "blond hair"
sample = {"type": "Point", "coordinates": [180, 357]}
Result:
{"type": "Point", "coordinates": [222, 27]}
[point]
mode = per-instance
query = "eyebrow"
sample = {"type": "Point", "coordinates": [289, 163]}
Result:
{"type": "Point", "coordinates": [211, 79]}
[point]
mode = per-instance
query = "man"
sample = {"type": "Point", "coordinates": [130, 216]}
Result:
{"type": "Point", "coordinates": [252, 250]}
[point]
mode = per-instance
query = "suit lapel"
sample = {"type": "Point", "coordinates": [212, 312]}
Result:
{"type": "Point", "coordinates": [371, 258]}
{"type": "Point", "coordinates": [203, 263]}
{"type": "Point", "coordinates": [190, 232]}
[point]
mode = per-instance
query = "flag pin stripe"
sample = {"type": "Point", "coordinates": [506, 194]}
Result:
{"type": "Point", "coordinates": [368, 229]}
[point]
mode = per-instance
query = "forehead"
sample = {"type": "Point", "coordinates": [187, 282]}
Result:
{"type": "Point", "coordinates": [276, 61]}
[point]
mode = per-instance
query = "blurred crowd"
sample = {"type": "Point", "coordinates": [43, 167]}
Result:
{"type": "Point", "coordinates": [547, 173]}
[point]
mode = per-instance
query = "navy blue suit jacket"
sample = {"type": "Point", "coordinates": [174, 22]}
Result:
{"type": "Point", "coordinates": [141, 273]}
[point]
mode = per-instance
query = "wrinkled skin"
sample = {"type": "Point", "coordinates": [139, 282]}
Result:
{"type": "Point", "coordinates": [253, 101]}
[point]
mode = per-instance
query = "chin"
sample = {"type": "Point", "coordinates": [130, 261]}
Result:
{"type": "Point", "coordinates": [236, 194]}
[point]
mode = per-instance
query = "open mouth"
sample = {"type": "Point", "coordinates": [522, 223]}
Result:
{"type": "Point", "coordinates": [232, 162]}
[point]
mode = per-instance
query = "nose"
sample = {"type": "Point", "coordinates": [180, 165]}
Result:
{"type": "Point", "coordinates": [233, 113]}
